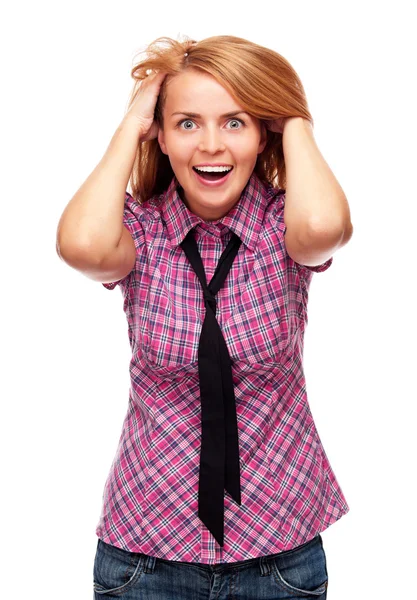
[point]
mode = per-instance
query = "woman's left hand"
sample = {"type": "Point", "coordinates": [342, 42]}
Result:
{"type": "Point", "coordinates": [276, 125]}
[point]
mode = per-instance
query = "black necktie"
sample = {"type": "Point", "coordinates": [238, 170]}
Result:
{"type": "Point", "coordinates": [219, 457]}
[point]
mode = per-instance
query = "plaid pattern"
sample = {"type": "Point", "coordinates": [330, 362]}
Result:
{"type": "Point", "coordinates": [289, 490]}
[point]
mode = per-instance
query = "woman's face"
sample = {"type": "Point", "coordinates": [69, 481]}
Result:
{"type": "Point", "coordinates": [209, 138]}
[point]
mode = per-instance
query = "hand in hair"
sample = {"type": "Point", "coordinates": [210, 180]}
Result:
{"type": "Point", "coordinates": [276, 125]}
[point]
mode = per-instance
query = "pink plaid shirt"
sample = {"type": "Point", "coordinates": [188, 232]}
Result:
{"type": "Point", "coordinates": [289, 490]}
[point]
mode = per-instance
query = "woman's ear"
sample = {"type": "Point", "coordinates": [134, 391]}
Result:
{"type": "Point", "coordinates": [161, 140]}
{"type": "Point", "coordinates": [264, 137]}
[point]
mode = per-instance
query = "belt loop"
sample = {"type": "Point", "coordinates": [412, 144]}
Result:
{"type": "Point", "coordinates": [149, 564]}
{"type": "Point", "coordinates": [264, 566]}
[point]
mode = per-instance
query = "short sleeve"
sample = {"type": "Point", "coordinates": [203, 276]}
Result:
{"type": "Point", "coordinates": [319, 268]}
{"type": "Point", "coordinates": [133, 220]}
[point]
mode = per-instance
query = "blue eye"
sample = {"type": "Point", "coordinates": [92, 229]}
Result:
{"type": "Point", "coordinates": [184, 121]}
{"type": "Point", "coordinates": [239, 121]}
{"type": "Point", "coordinates": [189, 120]}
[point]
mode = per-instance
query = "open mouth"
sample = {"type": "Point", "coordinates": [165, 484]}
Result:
{"type": "Point", "coordinates": [212, 178]}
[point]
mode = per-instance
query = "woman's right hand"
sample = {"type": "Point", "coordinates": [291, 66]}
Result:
{"type": "Point", "coordinates": [143, 107]}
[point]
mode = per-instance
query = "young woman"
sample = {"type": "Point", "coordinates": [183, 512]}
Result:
{"type": "Point", "coordinates": [220, 486]}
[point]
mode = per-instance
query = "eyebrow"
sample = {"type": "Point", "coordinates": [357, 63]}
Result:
{"type": "Point", "coordinates": [196, 115]}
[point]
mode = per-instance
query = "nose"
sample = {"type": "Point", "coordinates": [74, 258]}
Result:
{"type": "Point", "coordinates": [211, 141]}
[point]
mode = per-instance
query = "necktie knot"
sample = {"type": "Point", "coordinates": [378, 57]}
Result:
{"type": "Point", "coordinates": [210, 300]}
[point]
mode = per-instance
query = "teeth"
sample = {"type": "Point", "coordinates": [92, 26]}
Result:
{"type": "Point", "coordinates": [213, 169]}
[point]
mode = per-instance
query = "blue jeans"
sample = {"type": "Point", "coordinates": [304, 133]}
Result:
{"type": "Point", "coordinates": [296, 574]}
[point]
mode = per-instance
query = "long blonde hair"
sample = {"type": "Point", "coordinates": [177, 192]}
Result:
{"type": "Point", "coordinates": [258, 78]}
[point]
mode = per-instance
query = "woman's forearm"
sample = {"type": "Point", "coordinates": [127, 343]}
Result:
{"type": "Point", "coordinates": [92, 221]}
{"type": "Point", "coordinates": [314, 200]}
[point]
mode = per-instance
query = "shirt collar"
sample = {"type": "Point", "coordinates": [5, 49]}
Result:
{"type": "Point", "coordinates": [245, 218]}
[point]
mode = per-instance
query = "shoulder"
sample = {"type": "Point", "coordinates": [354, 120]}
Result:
{"type": "Point", "coordinates": [275, 206]}
{"type": "Point", "coordinates": [139, 215]}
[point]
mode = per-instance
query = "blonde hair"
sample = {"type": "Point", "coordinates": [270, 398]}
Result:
{"type": "Point", "coordinates": [258, 78]}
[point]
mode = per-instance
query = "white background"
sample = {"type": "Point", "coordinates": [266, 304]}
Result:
{"type": "Point", "coordinates": [65, 70]}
